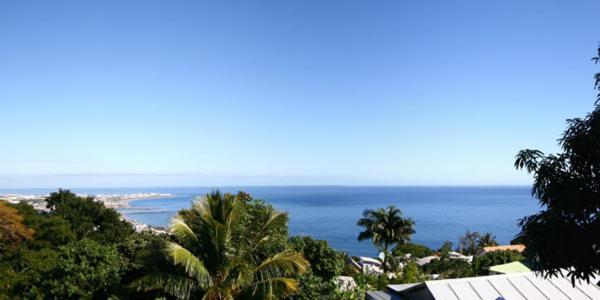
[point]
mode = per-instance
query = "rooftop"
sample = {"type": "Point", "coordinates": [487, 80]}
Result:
{"type": "Point", "coordinates": [509, 268]}
{"type": "Point", "coordinates": [518, 247]}
{"type": "Point", "coordinates": [512, 286]}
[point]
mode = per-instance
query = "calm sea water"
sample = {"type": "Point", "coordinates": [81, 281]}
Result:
{"type": "Point", "coordinates": [331, 212]}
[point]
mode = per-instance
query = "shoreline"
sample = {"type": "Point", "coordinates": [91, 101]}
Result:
{"type": "Point", "coordinates": [120, 201]}
{"type": "Point", "coordinates": [116, 201]}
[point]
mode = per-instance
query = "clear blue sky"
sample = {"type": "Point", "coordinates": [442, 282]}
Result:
{"type": "Point", "coordinates": [287, 92]}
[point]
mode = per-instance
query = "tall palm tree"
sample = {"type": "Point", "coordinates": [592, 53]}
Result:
{"type": "Point", "coordinates": [487, 240]}
{"type": "Point", "coordinates": [469, 243]}
{"type": "Point", "coordinates": [214, 260]}
{"type": "Point", "coordinates": [385, 227]}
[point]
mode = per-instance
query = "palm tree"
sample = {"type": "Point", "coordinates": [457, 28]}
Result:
{"type": "Point", "coordinates": [487, 240]}
{"type": "Point", "coordinates": [469, 243]}
{"type": "Point", "coordinates": [214, 260]}
{"type": "Point", "coordinates": [385, 227]}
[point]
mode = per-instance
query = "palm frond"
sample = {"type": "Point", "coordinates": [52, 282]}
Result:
{"type": "Point", "coordinates": [217, 267]}
{"type": "Point", "coordinates": [193, 266]}
{"type": "Point", "coordinates": [274, 288]}
{"type": "Point", "coordinates": [184, 234]}
{"type": "Point", "coordinates": [234, 213]}
{"type": "Point", "coordinates": [275, 220]}
{"type": "Point", "coordinates": [282, 263]}
{"type": "Point", "coordinates": [365, 235]}
{"type": "Point", "coordinates": [178, 286]}
{"type": "Point", "coordinates": [271, 277]}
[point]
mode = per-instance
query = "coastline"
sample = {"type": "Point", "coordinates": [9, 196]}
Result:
{"type": "Point", "coordinates": [116, 201]}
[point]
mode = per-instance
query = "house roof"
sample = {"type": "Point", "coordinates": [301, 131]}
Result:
{"type": "Point", "coordinates": [369, 260]}
{"type": "Point", "coordinates": [425, 260]}
{"type": "Point", "coordinates": [518, 247]}
{"type": "Point", "coordinates": [381, 295]}
{"type": "Point", "coordinates": [512, 286]}
{"type": "Point", "coordinates": [512, 267]}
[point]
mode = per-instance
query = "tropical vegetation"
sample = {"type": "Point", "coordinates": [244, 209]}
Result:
{"type": "Point", "coordinates": [482, 264]}
{"type": "Point", "coordinates": [412, 249]}
{"type": "Point", "coordinates": [473, 241]}
{"type": "Point", "coordinates": [226, 246]}
{"type": "Point", "coordinates": [216, 257]}
{"type": "Point", "coordinates": [386, 227]}
{"type": "Point", "coordinates": [565, 235]}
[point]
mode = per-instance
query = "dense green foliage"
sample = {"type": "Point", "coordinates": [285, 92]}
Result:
{"type": "Point", "coordinates": [445, 249]}
{"type": "Point", "coordinates": [143, 254]}
{"type": "Point", "coordinates": [257, 214]}
{"type": "Point", "coordinates": [227, 246]}
{"type": "Point", "coordinates": [487, 240]}
{"type": "Point", "coordinates": [449, 268]}
{"type": "Point", "coordinates": [50, 230]}
{"type": "Point", "coordinates": [89, 218]}
{"type": "Point", "coordinates": [473, 241]}
{"type": "Point", "coordinates": [214, 257]}
{"type": "Point", "coordinates": [325, 264]}
{"type": "Point", "coordinates": [481, 264]}
{"type": "Point", "coordinates": [85, 269]}
{"type": "Point", "coordinates": [12, 229]}
{"type": "Point", "coordinates": [566, 234]}
{"type": "Point", "coordinates": [412, 273]}
{"type": "Point", "coordinates": [80, 249]}
{"type": "Point", "coordinates": [415, 250]}
{"type": "Point", "coordinates": [312, 287]}
{"type": "Point", "coordinates": [72, 253]}
{"type": "Point", "coordinates": [385, 228]}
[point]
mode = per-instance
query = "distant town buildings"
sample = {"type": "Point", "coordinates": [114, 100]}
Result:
{"type": "Point", "coordinates": [109, 200]}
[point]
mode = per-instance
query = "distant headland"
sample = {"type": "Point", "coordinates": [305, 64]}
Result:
{"type": "Point", "coordinates": [109, 200]}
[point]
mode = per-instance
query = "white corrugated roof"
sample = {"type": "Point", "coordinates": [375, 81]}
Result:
{"type": "Point", "coordinates": [369, 260]}
{"type": "Point", "coordinates": [513, 287]}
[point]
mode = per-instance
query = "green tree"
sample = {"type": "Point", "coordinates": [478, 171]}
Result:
{"type": "Point", "coordinates": [357, 293]}
{"type": "Point", "coordinates": [80, 270]}
{"type": "Point", "coordinates": [415, 250]}
{"type": "Point", "coordinates": [385, 228]}
{"type": "Point", "coordinates": [44, 266]}
{"type": "Point", "coordinates": [412, 273]}
{"type": "Point", "coordinates": [12, 229]}
{"type": "Point", "coordinates": [565, 235]}
{"type": "Point", "coordinates": [487, 240]}
{"type": "Point", "coordinates": [445, 250]}
{"type": "Point", "coordinates": [85, 270]}
{"type": "Point", "coordinates": [29, 274]}
{"type": "Point", "coordinates": [449, 268]}
{"type": "Point", "coordinates": [50, 231]}
{"type": "Point", "coordinates": [256, 214]}
{"type": "Point", "coordinates": [481, 264]}
{"type": "Point", "coordinates": [142, 254]}
{"type": "Point", "coordinates": [311, 287]}
{"type": "Point", "coordinates": [468, 244]}
{"type": "Point", "coordinates": [325, 262]}
{"type": "Point", "coordinates": [89, 218]}
{"type": "Point", "coordinates": [208, 264]}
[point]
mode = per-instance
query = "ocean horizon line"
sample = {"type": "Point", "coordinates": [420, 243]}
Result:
{"type": "Point", "coordinates": [278, 185]}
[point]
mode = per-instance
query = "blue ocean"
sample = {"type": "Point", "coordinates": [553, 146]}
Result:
{"type": "Point", "coordinates": [331, 212]}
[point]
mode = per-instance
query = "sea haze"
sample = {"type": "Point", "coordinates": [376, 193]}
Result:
{"type": "Point", "coordinates": [331, 212]}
